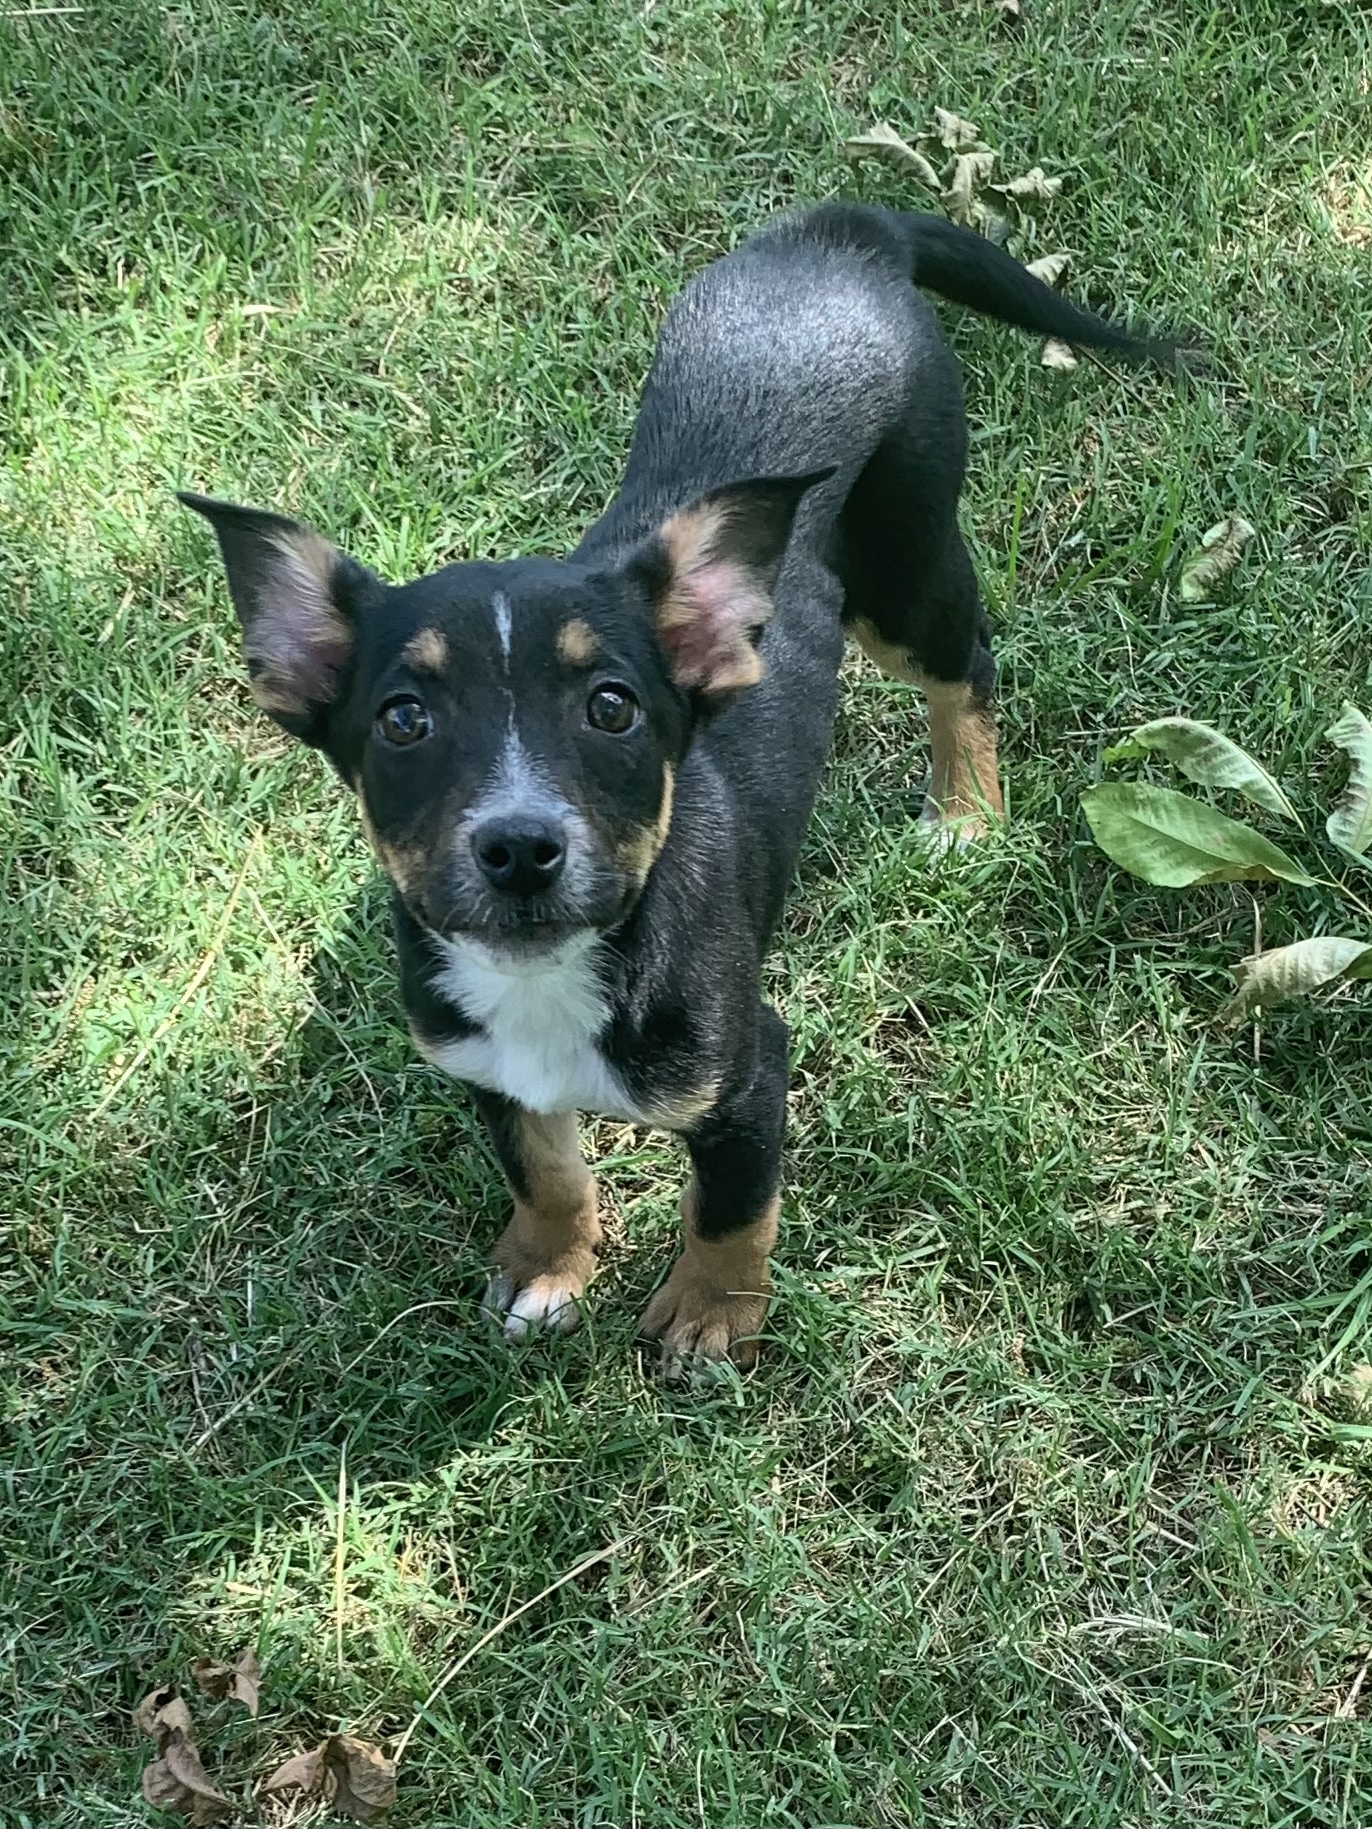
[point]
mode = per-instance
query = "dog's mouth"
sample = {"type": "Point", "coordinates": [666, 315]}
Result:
{"type": "Point", "coordinates": [520, 939]}
{"type": "Point", "coordinates": [520, 929]}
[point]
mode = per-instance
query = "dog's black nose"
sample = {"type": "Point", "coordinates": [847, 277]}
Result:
{"type": "Point", "coordinates": [522, 854]}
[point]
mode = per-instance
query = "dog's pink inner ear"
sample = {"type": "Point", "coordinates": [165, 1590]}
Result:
{"type": "Point", "coordinates": [712, 606]}
{"type": "Point", "coordinates": [297, 641]}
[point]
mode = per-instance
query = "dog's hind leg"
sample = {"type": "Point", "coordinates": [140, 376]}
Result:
{"type": "Point", "coordinates": [913, 605]}
{"type": "Point", "coordinates": [923, 640]}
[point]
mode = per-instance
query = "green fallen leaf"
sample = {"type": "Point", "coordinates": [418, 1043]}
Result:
{"type": "Point", "coordinates": [1219, 552]}
{"type": "Point", "coordinates": [1350, 823]}
{"type": "Point", "coordinates": [1208, 756]}
{"type": "Point", "coordinates": [883, 142]}
{"type": "Point", "coordinates": [1291, 971]}
{"type": "Point", "coordinates": [1174, 841]}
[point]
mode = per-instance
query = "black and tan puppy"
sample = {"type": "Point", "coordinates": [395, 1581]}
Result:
{"type": "Point", "coordinates": [588, 778]}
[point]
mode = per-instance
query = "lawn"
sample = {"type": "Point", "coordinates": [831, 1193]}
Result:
{"type": "Point", "coordinates": [1045, 1506]}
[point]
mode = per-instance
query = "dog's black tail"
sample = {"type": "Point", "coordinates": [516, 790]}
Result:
{"type": "Point", "coordinates": [963, 266]}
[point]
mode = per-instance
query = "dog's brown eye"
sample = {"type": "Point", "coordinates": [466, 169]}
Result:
{"type": "Point", "coordinates": [403, 720]}
{"type": "Point", "coordinates": [613, 709]}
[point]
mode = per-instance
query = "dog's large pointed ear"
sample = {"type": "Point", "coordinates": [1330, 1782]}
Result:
{"type": "Point", "coordinates": [710, 570]}
{"type": "Point", "coordinates": [295, 595]}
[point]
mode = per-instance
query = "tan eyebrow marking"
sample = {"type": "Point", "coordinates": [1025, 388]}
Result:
{"type": "Point", "coordinates": [577, 642]}
{"type": "Point", "coordinates": [427, 652]}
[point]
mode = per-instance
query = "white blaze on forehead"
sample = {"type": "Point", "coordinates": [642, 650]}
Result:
{"type": "Point", "coordinates": [500, 603]}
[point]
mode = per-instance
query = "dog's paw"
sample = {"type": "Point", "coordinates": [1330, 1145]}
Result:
{"type": "Point", "coordinates": [526, 1297]}
{"type": "Point", "coordinates": [698, 1321]}
{"type": "Point", "coordinates": [964, 821]}
{"type": "Point", "coordinates": [548, 1304]}
{"type": "Point", "coordinates": [939, 835]}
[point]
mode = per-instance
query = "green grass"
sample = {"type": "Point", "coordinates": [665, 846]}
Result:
{"type": "Point", "coordinates": [1037, 1512]}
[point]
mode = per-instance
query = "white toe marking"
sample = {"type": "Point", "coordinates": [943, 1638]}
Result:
{"type": "Point", "coordinates": [940, 836]}
{"type": "Point", "coordinates": [531, 1309]}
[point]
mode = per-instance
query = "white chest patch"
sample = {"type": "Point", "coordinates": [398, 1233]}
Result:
{"type": "Point", "coordinates": [539, 1028]}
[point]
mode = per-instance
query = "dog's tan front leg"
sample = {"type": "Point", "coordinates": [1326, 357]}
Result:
{"type": "Point", "coordinates": [714, 1301]}
{"type": "Point", "coordinates": [547, 1254]}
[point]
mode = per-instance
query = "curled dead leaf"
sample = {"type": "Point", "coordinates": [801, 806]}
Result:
{"type": "Point", "coordinates": [363, 1778]}
{"type": "Point", "coordinates": [161, 1788]}
{"type": "Point", "coordinates": [161, 1714]}
{"type": "Point", "coordinates": [242, 1679]}
{"type": "Point", "coordinates": [1220, 550]}
{"type": "Point", "coordinates": [883, 142]}
{"type": "Point", "coordinates": [955, 133]}
{"type": "Point", "coordinates": [1057, 355]}
{"type": "Point", "coordinates": [356, 1778]}
{"type": "Point", "coordinates": [178, 1781]}
{"type": "Point", "coordinates": [1035, 186]}
{"type": "Point", "coordinates": [1008, 9]}
{"type": "Point", "coordinates": [969, 171]}
{"type": "Point", "coordinates": [298, 1773]}
{"type": "Point", "coordinates": [1050, 268]}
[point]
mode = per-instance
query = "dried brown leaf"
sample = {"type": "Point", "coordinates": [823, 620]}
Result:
{"type": "Point", "coordinates": [969, 171]}
{"type": "Point", "coordinates": [178, 1781]}
{"type": "Point", "coordinates": [1220, 550]}
{"type": "Point", "coordinates": [206, 1810]}
{"type": "Point", "coordinates": [242, 1679]}
{"type": "Point", "coordinates": [363, 1778]}
{"type": "Point", "coordinates": [1057, 355]}
{"type": "Point", "coordinates": [161, 1788]}
{"type": "Point", "coordinates": [161, 1714]}
{"type": "Point", "coordinates": [356, 1778]}
{"type": "Point", "coordinates": [1034, 186]}
{"type": "Point", "coordinates": [955, 133]}
{"type": "Point", "coordinates": [1010, 8]}
{"type": "Point", "coordinates": [212, 1678]}
{"type": "Point", "coordinates": [299, 1773]}
{"type": "Point", "coordinates": [883, 142]}
{"type": "Point", "coordinates": [1050, 268]}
